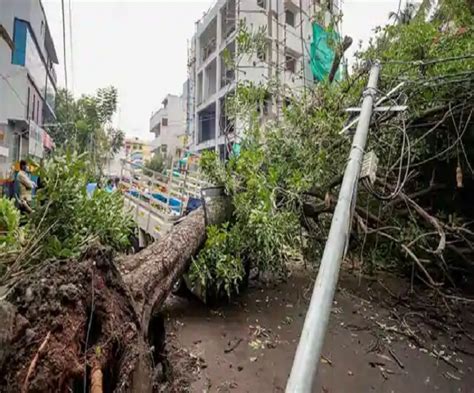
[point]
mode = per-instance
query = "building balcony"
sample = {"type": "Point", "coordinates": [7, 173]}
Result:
{"type": "Point", "coordinates": [292, 4]}
{"type": "Point", "coordinates": [208, 41]}
{"type": "Point", "coordinates": [48, 113]}
{"type": "Point", "coordinates": [35, 140]}
{"type": "Point", "coordinates": [158, 120]}
{"type": "Point", "coordinates": [208, 18]}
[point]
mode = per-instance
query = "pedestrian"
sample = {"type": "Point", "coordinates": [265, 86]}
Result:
{"type": "Point", "coordinates": [23, 188]}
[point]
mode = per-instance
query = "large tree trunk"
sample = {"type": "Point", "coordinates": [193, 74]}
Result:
{"type": "Point", "coordinates": [151, 273]}
{"type": "Point", "coordinates": [74, 321]}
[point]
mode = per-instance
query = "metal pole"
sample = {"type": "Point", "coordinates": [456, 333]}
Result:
{"type": "Point", "coordinates": [311, 341]}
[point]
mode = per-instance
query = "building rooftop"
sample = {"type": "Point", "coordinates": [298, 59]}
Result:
{"type": "Point", "coordinates": [48, 41]}
{"type": "Point", "coordinates": [136, 140]}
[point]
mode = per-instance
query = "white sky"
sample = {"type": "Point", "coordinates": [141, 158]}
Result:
{"type": "Point", "coordinates": [140, 47]}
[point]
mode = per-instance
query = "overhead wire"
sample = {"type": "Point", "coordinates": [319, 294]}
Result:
{"type": "Point", "coordinates": [12, 88]}
{"type": "Point", "coordinates": [428, 62]}
{"type": "Point", "coordinates": [406, 146]}
{"type": "Point", "coordinates": [460, 141]}
{"type": "Point", "coordinates": [63, 15]}
{"type": "Point", "coordinates": [400, 183]}
{"type": "Point", "coordinates": [71, 50]}
{"type": "Point", "coordinates": [454, 144]}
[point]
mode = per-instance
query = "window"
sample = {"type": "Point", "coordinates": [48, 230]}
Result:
{"type": "Point", "coordinates": [164, 122]}
{"type": "Point", "coordinates": [34, 106]}
{"type": "Point", "coordinates": [164, 149]}
{"type": "Point", "coordinates": [290, 18]}
{"type": "Point", "coordinates": [28, 104]}
{"type": "Point", "coordinates": [290, 63]}
{"type": "Point", "coordinates": [19, 41]}
{"type": "Point", "coordinates": [37, 112]}
{"type": "Point", "coordinates": [26, 53]}
{"type": "Point", "coordinates": [262, 4]}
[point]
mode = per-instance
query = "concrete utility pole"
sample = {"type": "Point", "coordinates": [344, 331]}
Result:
{"type": "Point", "coordinates": [311, 341]}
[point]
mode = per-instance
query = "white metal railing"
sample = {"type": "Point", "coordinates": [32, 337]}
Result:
{"type": "Point", "coordinates": [154, 199]}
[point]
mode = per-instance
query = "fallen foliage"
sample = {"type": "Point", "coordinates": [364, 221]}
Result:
{"type": "Point", "coordinates": [416, 217]}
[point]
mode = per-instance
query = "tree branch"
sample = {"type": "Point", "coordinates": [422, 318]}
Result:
{"type": "Point", "coordinates": [431, 220]}
{"type": "Point", "coordinates": [417, 194]}
{"type": "Point", "coordinates": [346, 43]}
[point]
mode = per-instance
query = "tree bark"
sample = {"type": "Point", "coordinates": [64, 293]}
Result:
{"type": "Point", "coordinates": [151, 273]}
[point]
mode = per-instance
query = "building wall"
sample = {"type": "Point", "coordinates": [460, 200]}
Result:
{"type": "Point", "coordinates": [168, 138]}
{"type": "Point", "coordinates": [137, 150]}
{"type": "Point", "coordinates": [38, 58]}
{"type": "Point", "coordinates": [210, 81]}
{"type": "Point", "coordinates": [28, 10]}
{"type": "Point", "coordinates": [24, 87]}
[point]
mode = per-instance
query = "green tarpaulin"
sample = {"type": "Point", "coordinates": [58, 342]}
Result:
{"type": "Point", "coordinates": [236, 149]}
{"type": "Point", "coordinates": [322, 54]}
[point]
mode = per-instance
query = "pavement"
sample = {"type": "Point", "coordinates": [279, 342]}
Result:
{"type": "Point", "coordinates": [380, 339]}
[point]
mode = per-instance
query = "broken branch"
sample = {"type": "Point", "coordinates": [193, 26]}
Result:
{"type": "Point", "coordinates": [431, 220]}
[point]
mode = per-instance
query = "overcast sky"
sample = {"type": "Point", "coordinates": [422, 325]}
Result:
{"type": "Point", "coordinates": [140, 47]}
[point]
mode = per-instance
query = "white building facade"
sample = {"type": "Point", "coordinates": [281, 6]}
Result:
{"type": "Point", "coordinates": [286, 59]}
{"type": "Point", "coordinates": [169, 125]}
{"type": "Point", "coordinates": [27, 81]}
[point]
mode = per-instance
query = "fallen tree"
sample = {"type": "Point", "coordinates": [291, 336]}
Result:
{"type": "Point", "coordinates": [413, 215]}
{"type": "Point", "coordinates": [82, 324]}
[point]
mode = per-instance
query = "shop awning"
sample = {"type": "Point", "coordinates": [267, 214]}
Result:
{"type": "Point", "coordinates": [48, 142]}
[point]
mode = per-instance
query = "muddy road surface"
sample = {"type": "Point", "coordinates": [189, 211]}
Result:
{"type": "Point", "coordinates": [381, 338]}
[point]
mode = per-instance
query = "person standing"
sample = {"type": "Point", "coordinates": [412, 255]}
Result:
{"type": "Point", "coordinates": [110, 186]}
{"type": "Point", "coordinates": [23, 188]}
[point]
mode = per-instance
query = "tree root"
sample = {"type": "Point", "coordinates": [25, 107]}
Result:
{"type": "Point", "coordinates": [97, 380]}
{"type": "Point", "coordinates": [97, 322]}
{"type": "Point", "coordinates": [32, 367]}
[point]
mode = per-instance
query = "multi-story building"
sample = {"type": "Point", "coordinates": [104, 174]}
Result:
{"type": "Point", "coordinates": [137, 151]}
{"type": "Point", "coordinates": [27, 81]}
{"type": "Point", "coordinates": [287, 29]}
{"type": "Point", "coordinates": [169, 125]}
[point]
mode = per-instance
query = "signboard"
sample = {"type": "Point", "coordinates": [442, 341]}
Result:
{"type": "Point", "coordinates": [4, 151]}
{"type": "Point", "coordinates": [48, 142]}
{"type": "Point", "coordinates": [35, 141]}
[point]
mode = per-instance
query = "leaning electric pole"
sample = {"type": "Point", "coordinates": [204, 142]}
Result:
{"type": "Point", "coordinates": [316, 322]}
